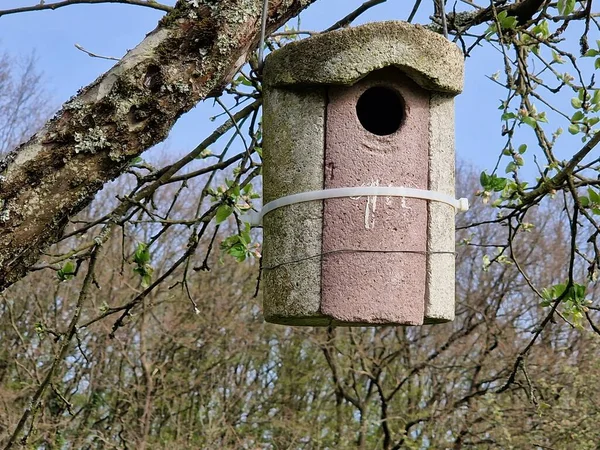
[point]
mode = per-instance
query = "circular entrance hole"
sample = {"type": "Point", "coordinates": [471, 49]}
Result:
{"type": "Point", "coordinates": [380, 110]}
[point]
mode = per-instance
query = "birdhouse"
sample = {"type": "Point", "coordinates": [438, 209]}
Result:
{"type": "Point", "coordinates": [358, 178]}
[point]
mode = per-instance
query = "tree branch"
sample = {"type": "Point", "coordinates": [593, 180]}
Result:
{"type": "Point", "coordinates": [67, 336]}
{"type": "Point", "coordinates": [192, 54]}
{"type": "Point", "coordinates": [557, 180]}
{"type": "Point", "coordinates": [52, 6]}
{"type": "Point", "coordinates": [345, 21]}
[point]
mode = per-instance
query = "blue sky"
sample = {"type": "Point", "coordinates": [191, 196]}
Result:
{"type": "Point", "coordinates": [111, 29]}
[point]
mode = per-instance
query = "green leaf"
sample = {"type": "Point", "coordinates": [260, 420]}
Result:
{"type": "Point", "coordinates": [146, 280]}
{"type": "Point", "coordinates": [577, 116]}
{"type": "Point", "coordinates": [594, 196]}
{"type": "Point", "coordinates": [142, 254]}
{"type": "Point", "coordinates": [247, 229]}
{"type": "Point", "coordinates": [557, 58]}
{"type": "Point", "coordinates": [511, 167]}
{"type": "Point", "coordinates": [573, 128]}
{"type": "Point", "coordinates": [522, 148]}
{"type": "Point", "coordinates": [529, 121]}
{"type": "Point", "coordinates": [492, 182]}
{"type": "Point", "coordinates": [238, 252]}
{"type": "Point", "coordinates": [592, 52]}
{"type": "Point", "coordinates": [491, 30]}
{"type": "Point", "coordinates": [508, 116]}
{"type": "Point", "coordinates": [508, 23]}
{"type": "Point", "coordinates": [576, 103]}
{"type": "Point", "coordinates": [585, 202]}
{"type": "Point", "coordinates": [223, 212]}
{"type": "Point", "coordinates": [246, 82]}
{"type": "Point", "coordinates": [553, 292]}
{"type": "Point", "coordinates": [484, 179]}
{"type": "Point", "coordinates": [577, 293]}
{"type": "Point", "coordinates": [542, 29]}
{"type": "Point", "coordinates": [569, 6]}
{"type": "Point", "coordinates": [499, 184]}
{"type": "Point", "coordinates": [145, 271]}
{"type": "Point", "coordinates": [67, 272]}
{"type": "Point", "coordinates": [597, 63]}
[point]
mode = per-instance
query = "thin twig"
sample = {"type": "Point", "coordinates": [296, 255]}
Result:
{"type": "Point", "coordinates": [234, 121]}
{"type": "Point", "coordinates": [345, 21]}
{"type": "Point", "coordinates": [414, 11]}
{"type": "Point", "coordinates": [95, 55]}
{"type": "Point", "coordinates": [57, 5]}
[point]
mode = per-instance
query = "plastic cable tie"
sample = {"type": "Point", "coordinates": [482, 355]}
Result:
{"type": "Point", "coordinates": [255, 217]}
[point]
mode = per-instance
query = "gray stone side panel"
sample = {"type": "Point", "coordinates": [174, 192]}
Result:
{"type": "Point", "coordinates": [347, 55]}
{"type": "Point", "coordinates": [293, 152]}
{"type": "Point", "coordinates": [441, 227]}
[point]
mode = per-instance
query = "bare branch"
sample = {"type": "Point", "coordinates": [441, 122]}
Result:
{"type": "Point", "coordinates": [344, 22]}
{"type": "Point", "coordinates": [52, 6]}
{"type": "Point", "coordinates": [95, 55]}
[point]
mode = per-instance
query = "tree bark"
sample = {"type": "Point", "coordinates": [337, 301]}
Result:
{"type": "Point", "coordinates": [192, 54]}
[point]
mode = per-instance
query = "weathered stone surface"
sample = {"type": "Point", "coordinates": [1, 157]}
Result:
{"type": "Point", "coordinates": [374, 263]}
{"type": "Point", "coordinates": [347, 55]}
{"type": "Point", "coordinates": [293, 151]}
{"type": "Point", "coordinates": [440, 234]}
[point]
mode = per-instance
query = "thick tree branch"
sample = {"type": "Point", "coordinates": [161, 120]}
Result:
{"type": "Point", "coordinates": [192, 54]}
{"type": "Point", "coordinates": [523, 11]}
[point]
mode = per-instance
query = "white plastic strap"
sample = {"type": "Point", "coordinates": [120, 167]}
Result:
{"type": "Point", "coordinates": [461, 204]}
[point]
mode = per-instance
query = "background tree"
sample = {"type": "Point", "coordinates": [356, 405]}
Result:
{"type": "Point", "coordinates": [126, 333]}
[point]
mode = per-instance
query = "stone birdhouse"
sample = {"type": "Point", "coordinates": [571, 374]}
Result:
{"type": "Point", "coordinates": [358, 149]}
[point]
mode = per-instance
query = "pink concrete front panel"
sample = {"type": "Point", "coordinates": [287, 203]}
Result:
{"type": "Point", "coordinates": [374, 260]}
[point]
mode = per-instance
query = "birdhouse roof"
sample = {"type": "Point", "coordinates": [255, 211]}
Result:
{"type": "Point", "coordinates": [345, 56]}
